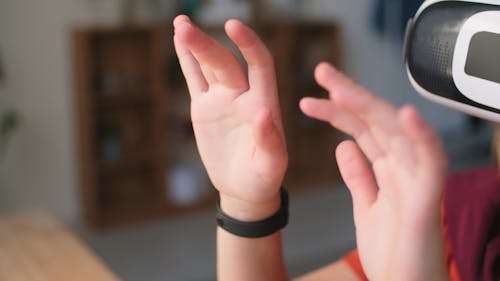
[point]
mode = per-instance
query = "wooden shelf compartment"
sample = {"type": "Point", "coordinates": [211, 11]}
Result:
{"type": "Point", "coordinates": [110, 101]}
{"type": "Point", "coordinates": [122, 61]}
{"type": "Point", "coordinates": [124, 135]}
{"type": "Point", "coordinates": [120, 101]}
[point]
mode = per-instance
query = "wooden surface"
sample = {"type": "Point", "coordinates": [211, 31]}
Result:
{"type": "Point", "coordinates": [35, 247]}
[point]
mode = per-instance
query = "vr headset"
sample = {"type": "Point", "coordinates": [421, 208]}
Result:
{"type": "Point", "coordinates": [452, 55]}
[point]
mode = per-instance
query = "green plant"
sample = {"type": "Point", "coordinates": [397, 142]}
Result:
{"type": "Point", "coordinates": [9, 121]}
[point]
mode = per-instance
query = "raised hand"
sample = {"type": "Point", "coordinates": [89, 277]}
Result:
{"type": "Point", "coordinates": [236, 116]}
{"type": "Point", "coordinates": [395, 172]}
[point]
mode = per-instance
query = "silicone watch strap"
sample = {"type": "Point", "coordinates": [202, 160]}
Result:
{"type": "Point", "coordinates": [255, 229]}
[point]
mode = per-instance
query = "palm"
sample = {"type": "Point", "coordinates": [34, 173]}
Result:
{"type": "Point", "coordinates": [396, 199]}
{"type": "Point", "coordinates": [395, 211]}
{"type": "Point", "coordinates": [226, 141]}
{"type": "Point", "coordinates": [235, 115]}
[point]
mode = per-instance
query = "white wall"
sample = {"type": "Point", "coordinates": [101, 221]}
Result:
{"type": "Point", "coordinates": [40, 169]}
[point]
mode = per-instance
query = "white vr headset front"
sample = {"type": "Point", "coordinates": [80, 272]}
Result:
{"type": "Point", "coordinates": [452, 55]}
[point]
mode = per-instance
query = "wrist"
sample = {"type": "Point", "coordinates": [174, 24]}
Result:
{"type": "Point", "coordinates": [249, 211]}
{"type": "Point", "coordinates": [249, 225]}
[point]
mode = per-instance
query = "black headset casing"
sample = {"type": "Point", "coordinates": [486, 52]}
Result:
{"type": "Point", "coordinates": [430, 54]}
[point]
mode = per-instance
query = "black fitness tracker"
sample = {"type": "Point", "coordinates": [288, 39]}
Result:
{"type": "Point", "coordinates": [452, 55]}
{"type": "Point", "coordinates": [256, 229]}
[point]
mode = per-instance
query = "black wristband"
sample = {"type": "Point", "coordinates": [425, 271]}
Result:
{"type": "Point", "coordinates": [255, 229]}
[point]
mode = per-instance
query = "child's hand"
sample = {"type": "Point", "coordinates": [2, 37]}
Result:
{"type": "Point", "coordinates": [395, 172]}
{"type": "Point", "coordinates": [236, 117]}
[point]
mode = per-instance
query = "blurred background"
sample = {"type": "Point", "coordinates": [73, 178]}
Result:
{"type": "Point", "coordinates": [95, 128]}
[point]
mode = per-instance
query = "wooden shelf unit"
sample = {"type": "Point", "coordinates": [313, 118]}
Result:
{"type": "Point", "coordinates": [134, 130]}
{"type": "Point", "coordinates": [120, 102]}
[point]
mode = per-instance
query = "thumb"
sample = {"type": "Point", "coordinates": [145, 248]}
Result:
{"type": "Point", "coordinates": [357, 175]}
{"type": "Point", "coordinates": [266, 134]}
{"type": "Point", "coordinates": [270, 145]}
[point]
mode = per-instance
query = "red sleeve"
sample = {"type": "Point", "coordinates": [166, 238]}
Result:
{"type": "Point", "coordinates": [450, 260]}
{"type": "Point", "coordinates": [352, 259]}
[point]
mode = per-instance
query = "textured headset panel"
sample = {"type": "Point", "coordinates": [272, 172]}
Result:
{"type": "Point", "coordinates": [430, 55]}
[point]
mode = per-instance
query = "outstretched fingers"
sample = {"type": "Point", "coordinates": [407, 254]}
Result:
{"type": "Point", "coordinates": [261, 73]}
{"type": "Point", "coordinates": [326, 110]}
{"type": "Point", "coordinates": [191, 69]}
{"type": "Point", "coordinates": [379, 114]}
{"type": "Point", "coordinates": [218, 64]}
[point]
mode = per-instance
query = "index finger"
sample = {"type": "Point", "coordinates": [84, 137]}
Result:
{"type": "Point", "coordinates": [196, 82]}
{"type": "Point", "coordinates": [375, 111]}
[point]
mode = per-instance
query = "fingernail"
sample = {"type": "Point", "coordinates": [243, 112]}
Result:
{"type": "Point", "coordinates": [329, 66]}
{"type": "Point", "coordinates": [181, 19]}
